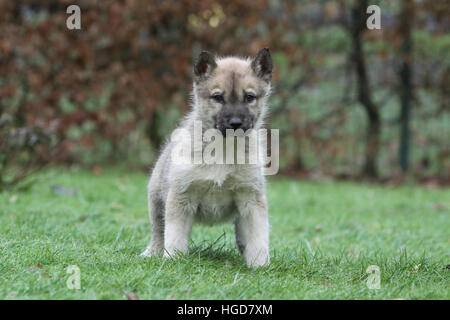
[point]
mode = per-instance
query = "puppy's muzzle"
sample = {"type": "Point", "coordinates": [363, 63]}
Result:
{"type": "Point", "coordinates": [234, 118]}
{"type": "Point", "coordinates": [235, 123]}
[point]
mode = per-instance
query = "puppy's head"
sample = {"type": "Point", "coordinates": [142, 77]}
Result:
{"type": "Point", "coordinates": [231, 93]}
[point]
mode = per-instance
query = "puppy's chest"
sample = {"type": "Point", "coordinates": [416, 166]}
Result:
{"type": "Point", "coordinates": [215, 202]}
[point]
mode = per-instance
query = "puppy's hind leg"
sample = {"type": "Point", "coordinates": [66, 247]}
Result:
{"type": "Point", "coordinates": [238, 236]}
{"type": "Point", "coordinates": [156, 213]}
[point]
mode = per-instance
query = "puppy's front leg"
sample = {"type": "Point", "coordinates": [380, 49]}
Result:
{"type": "Point", "coordinates": [179, 218]}
{"type": "Point", "coordinates": [252, 227]}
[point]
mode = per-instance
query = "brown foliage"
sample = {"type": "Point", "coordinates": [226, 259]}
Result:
{"type": "Point", "coordinates": [135, 55]}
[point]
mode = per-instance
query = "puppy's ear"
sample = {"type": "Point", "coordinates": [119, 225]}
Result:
{"type": "Point", "coordinates": [204, 65]}
{"type": "Point", "coordinates": [262, 65]}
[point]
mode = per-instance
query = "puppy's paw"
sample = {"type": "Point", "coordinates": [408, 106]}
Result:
{"type": "Point", "coordinates": [174, 253]}
{"type": "Point", "coordinates": [150, 252]}
{"type": "Point", "coordinates": [257, 257]}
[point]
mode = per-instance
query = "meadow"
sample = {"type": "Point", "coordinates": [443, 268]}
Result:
{"type": "Point", "coordinates": [324, 236]}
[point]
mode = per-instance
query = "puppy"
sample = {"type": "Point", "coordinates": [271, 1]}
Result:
{"type": "Point", "coordinates": [228, 94]}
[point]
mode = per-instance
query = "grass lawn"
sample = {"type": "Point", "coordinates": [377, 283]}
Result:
{"type": "Point", "coordinates": [324, 235]}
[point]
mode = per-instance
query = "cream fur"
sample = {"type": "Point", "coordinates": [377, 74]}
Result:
{"type": "Point", "coordinates": [181, 195]}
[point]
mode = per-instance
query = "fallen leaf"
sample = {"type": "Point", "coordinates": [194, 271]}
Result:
{"type": "Point", "coordinates": [116, 206]}
{"type": "Point", "coordinates": [121, 187]}
{"type": "Point", "coordinates": [44, 273]}
{"type": "Point", "coordinates": [132, 296]}
{"type": "Point", "coordinates": [13, 199]}
{"type": "Point", "coordinates": [97, 170]}
{"type": "Point", "coordinates": [354, 252]}
{"type": "Point", "coordinates": [438, 206]}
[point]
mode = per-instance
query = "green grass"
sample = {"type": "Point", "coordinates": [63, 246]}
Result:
{"type": "Point", "coordinates": [324, 235]}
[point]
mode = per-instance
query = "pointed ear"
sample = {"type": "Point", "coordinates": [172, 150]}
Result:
{"type": "Point", "coordinates": [204, 65]}
{"type": "Point", "coordinates": [262, 65]}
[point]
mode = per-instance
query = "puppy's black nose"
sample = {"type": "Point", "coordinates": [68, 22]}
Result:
{"type": "Point", "coordinates": [235, 123]}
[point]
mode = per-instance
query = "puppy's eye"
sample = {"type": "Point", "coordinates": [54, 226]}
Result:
{"type": "Point", "coordinates": [249, 98]}
{"type": "Point", "coordinates": [218, 98]}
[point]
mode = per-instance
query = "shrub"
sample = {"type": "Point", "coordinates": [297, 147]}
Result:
{"type": "Point", "coordinates": [23, 150]}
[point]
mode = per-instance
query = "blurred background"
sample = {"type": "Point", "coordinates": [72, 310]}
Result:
{"type": "Point", "coordinates": [350, 103]}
